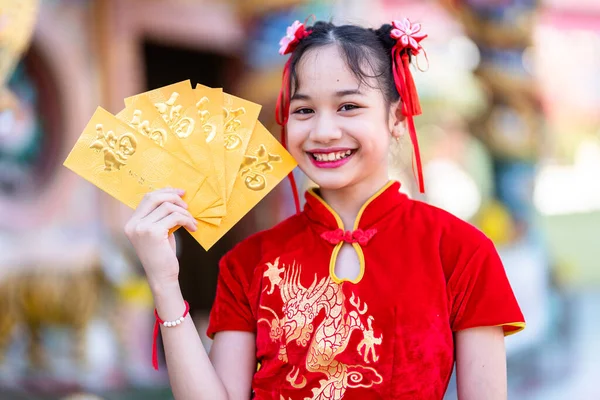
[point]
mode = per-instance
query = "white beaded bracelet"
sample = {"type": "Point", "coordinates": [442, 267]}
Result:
{"type": "Point", "coordinates": [170, 324]}
{"type": "Point", "coordinates": [167, 324]}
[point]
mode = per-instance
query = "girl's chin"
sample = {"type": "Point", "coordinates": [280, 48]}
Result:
{"type": "Point", "coordinates": [329, 180]}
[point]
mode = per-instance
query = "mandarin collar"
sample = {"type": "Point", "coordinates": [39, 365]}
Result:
{"type": "Point", "coordinates": [374, 209]}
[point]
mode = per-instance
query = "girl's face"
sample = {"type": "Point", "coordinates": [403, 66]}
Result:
{"type": "Point", "coordinates": [339, 130]}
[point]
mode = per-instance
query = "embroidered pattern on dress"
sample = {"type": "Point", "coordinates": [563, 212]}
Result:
{"type": "Point", "coordinates": [328, 339]}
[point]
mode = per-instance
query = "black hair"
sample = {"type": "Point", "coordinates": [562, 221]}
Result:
{"type": "Point", "coordinates": [368, 53]}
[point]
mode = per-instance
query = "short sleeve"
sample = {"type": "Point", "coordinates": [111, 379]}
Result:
{"type": "Point", "coordinates": [231, 310]}
{"type": "Point", "coordinates": [481, 295]}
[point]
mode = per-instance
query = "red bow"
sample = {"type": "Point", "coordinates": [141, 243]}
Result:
{"type": "Point", "coordinates": [358, 236]}
{"type": "Point", "coordinates": [282, 111]}
{"type": "Point", "coordinates": [295, 33]}
{"type": "Point", "coordinates": [288, 43]}
{"type": "Point", "coordinates": [408, 38]}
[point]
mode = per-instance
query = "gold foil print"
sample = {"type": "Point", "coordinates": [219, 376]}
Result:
{"type": "Point", "coordinates": [126, 164]}
{"type": "Point", "coordinates": [209, 129]}
{"type": "Point", "coordinates": [176, 104]}
{"type": "Point", "coordinates": [171, 111]}
{"type": "Point", "coordinates": [209, 106]}
{"type": "Point", "coordinates": [143, 116]}
{"type": "Point", "coordinates": [184, 127]}
{"type": "Point", "coordinates": [256, 166]}
{"type": "Point", "coordinates": [116, 150]}
{"type": "Point", "coordinates": [240, 117]}
{"type": "Point", "coordinates": [266, 164]}
{"type": "Point", "coordinates": [331, 335]}
{"type": "Point", "coordinates": [232, 124]}
{"type": "Point", "coordinates": [157, 135]}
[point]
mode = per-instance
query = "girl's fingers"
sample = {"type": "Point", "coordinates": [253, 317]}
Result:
{"type": "Point", "coordinates": [152, 200]}
{"type": "Point", "coordinates": [155, 206]}
{"type": "Point", "coordinates": [165, 209]}
{"type": "Point", "coordinates": [177, 219]}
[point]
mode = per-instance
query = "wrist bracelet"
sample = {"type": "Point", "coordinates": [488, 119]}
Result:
{"type": "Point", "coordinates": [168, 324]}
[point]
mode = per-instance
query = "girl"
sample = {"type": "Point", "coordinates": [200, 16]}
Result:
{"type": "Point", "coordinates": [366, 294]}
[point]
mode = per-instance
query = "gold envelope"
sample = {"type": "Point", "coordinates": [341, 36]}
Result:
{"type": "Point", "coordinates": [209, 106]}
{"type": "Point", "coordinates": [176, 103]}
{"type": "Point", "coordinates": [143, 116]}
{"type": "Point", "coordinates": [239, 118]}
{"type": "Point", "coordinates": [126, 164]}
{"type": "Point", "coordinates": [263, 166]}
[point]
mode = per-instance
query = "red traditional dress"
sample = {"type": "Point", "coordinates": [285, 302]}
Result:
{"type": "Point", "coordinates": [388, 334]}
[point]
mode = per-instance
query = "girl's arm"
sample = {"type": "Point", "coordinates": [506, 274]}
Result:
{"type": "Point", "coordinates": [191, 373]}
{"type": "Point", "coordinates": [233, 355]}
{"type": "Point", "coordinates": [481, 364]}
{"type": "Point", "coordinates": [226, 375]}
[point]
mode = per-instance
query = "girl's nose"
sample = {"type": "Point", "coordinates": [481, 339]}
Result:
{"type": "Point", "coordinates": [325, 129]}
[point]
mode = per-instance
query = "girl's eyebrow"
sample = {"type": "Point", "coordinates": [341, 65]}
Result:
{"type": "Point", "coordinates": [339, 93]}
{"type": "Point", "coordinates": [299, 96]}
{"type": "Point", "coordinates": [350, 92]}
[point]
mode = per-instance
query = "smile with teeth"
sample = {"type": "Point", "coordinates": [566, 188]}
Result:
{"type": "Point", "coordinates": [334, 156]}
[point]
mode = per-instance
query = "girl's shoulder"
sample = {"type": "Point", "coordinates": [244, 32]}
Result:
{"type": "Point", "coordinates": [451, 231]}
{"type": "Point", "coordinates": [461, 248]}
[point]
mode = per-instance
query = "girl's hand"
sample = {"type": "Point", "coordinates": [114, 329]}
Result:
{"type": "Point", "coordinates": [148, 231]}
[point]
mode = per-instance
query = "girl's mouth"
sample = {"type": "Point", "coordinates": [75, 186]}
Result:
{"type": "Point", "coordinates": [331, 158]}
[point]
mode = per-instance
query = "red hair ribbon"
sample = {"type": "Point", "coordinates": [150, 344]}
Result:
{"type": "Point", "coordinates": [408, 37]}
{"type": "Point", "coordinates": [358, 236]}
{"type": "Point", "coordinates": [288, 43]}
{"type": "Point", "coordinates": [157, 324]}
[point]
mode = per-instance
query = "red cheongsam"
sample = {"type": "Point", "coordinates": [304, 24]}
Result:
{"type": "Point", "coordinates": [388, 334]}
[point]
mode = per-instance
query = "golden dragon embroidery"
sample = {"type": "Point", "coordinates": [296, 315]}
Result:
{"type": "Point", "coordinates": [328, 339]}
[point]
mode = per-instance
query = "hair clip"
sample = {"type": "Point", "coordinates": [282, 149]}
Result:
{"type": "Point", "coordinates": [408, 38]}
{"type": "Point", "coordinates": [294, 34]}
{"type": "Point", "coordinates": [408, 35]}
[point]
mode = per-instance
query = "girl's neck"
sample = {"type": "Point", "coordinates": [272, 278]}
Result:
{"type": "Point", "coordinates": [348, 201]}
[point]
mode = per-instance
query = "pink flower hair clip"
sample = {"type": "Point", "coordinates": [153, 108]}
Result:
{"type": "Point", "coordinates": [408, 35]}
{"type": "Point", "coordinates": [294, 34]}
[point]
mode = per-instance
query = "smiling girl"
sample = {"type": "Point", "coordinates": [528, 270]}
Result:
{"type": "Point", "coordinates": [365, 294]}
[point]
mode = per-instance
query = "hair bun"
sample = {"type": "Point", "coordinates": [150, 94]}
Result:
{"type": "Point", "coordinates": [321, 26]}
{"type": "Point", "coordinates": [384, 36]}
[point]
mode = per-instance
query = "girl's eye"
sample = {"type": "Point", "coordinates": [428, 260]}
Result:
{"type": "Point", "coordinates": [304, 111]}
{"type": "Point", "coordinates": [348, 107]}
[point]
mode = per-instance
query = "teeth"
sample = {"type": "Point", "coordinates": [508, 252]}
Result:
{"type": "Point", "coordinates": [338, 155]}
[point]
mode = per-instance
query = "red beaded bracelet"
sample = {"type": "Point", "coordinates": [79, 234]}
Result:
{"type": "Point", "coordinates": [167, 324]}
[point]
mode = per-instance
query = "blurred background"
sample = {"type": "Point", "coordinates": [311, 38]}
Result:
{"type": "Point", "coordinates": [510, 135]}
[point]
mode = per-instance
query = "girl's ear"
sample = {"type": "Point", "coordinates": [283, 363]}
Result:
{"type": "Point", "coordinates": [397, 120]}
